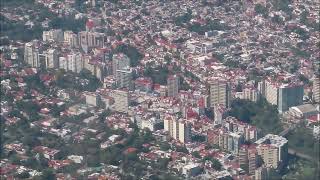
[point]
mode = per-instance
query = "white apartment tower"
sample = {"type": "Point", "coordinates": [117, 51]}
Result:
{"type": "Point", "coordinates": [52, 60]}
{"type": "Point", "coordinates": [31, 54]}
{"type": "Point", "coordinates": [178, 129]}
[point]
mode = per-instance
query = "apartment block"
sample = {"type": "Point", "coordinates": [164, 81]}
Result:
{"type": "Point", "coordinates": [173, 85]}
{"type": "Point", "coordinates": [219, 93]}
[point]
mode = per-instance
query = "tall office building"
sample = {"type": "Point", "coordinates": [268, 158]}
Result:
{"type": "Point", "coordinates": [124, 78]}
{"type": "Point", "coordinates": [31, 54]}
{"type": "Point", "coordinates": [173, 85]}
{"type": "Point", "coordinates": [119, 61]}
{"type": "Point", "coordinates": [178, 129]}
{"type": "Point", "coordinates": [121, 100]}
{"type": "Point", "coordinates": [280, 94]}
{"type": "Point", "coordinates": [316, 88]}
{"type": "Point", "coordinates": [273, 149]}
{"type": "Point", "coordinates": [219, 93]}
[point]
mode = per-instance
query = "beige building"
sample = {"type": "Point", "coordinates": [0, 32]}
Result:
{"type": "Point", "coordinates": [178, 129]}
{"type": "Point", "coordinates": [121, 100]}
{"type": "Point", "coordinates": [31, 54]}
{"type": "Point", "coordinates": [92, 99]}
{"type": "Point", "coordinates": [316, 89]}
{"type": "Point", "coordinates": [251, 94]}
{"type": "Point", "coordinates": [273, 149]}
{"type": "Point", "coordinates": [271, 93]}
{"type": "Point", "coordinates": [280, 94]}
{"type": "Point", "coordinates": [219, 93]}
{"type": "Point", "coordinates": [248, 158]}
{"type": "Point", "coordinates": [261, 173]}
{"type": "Point", "coordinates": [52, 60]}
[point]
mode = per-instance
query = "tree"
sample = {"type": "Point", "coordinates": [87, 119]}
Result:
{"type": "Point", "coordinates": [181, 149]}
{"type": "Point", "coordinates": [216, 164]}
{"type": "Point", "coordinates": [163, 163]}
{"type": "Point", "coordinates": [164, 146]}
{"type": "Point", "coordinates": [196, 154]}
{"type": "Point", "coordinates": [48, 174]}
{"type": "Point", "coordinates": [260, 9]}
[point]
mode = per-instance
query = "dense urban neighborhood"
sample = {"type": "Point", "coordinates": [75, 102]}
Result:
{"type": "Point", "coordinates": [160, 89]}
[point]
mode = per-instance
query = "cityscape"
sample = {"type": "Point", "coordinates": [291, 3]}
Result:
{"type": "Point", "coordinates": [160, 89]}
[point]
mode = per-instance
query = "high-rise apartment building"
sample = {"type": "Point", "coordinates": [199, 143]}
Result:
{"type": "Point", "coordinates": [121, 100]}
{"type": "Point", "coordinates": [273, 149]}
{"type": "Point", "coordinates": [261, 173]}
{"type": "Point", "coordinates": [71, 39]}
{"type": "Point", "coordinates": [55, 35]}
{"type": "Point", "coordinates": [248, 158]}
{"type": "Point", "coordinates": [316, 88]}
{"type": "Point", "coordinates": [178, 129]}
{"type": "Point", "coordinates": [251, 94]}
{"type": "Point", "coordinates": [173, 85]}
{"type": "Point", "coordinates": [284, 95]}
{"type": "Point", "coordinates": [230, 141]}
{"type": "Point", "coordinates": [31, 54]}
{"type": "Point", "coordinates": [119, 61]}
{"type": "Point", "coordinates": [75, 62]}
{"type": "Point", "coordinates": [90, 39]}
{"type": "Point", "coordinates": [124, 78]}
{"type": "Point", "coordinates": [219, 93]}
{"type": "Point", "coordinates": [52, 59]}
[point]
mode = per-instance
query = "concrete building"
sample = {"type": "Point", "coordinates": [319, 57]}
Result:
{"type": "Point", "coordinates": [251, 94]}
{"type": "Point", "coordinates": [303, 111]}
{"type": "Point", "coordinates": [229, 141]}
{"type": "Point", "coordinates": [53, 35]}
{"type": "Point", "coordinates": [281, 95]}
{"type": "Point", "coordinates": [75, 62]}
{"type": "Point", "coordinates": [31, 54]}
{"type": "Point", "coordinates": [178, 129]}
{"type": "Point", "coordinates": [261, 173]}
{"type": "Point", "coordinates": [273, 149]}
{"type": "Point", "coordinates": [121, 100]}
{"type": "Point", "coordinates": [143, 84]}
{"type": "Point", "coordinates": [90, 40]}
{"type": "Point", "coordinates": [124, 78]}
{"type": "Point", "coordinates": [173, 85]}
{"type": "Point", "coordinates": [184, 131]}
{"type": "Point", "coordinates": [52, 59]}
{"type": "Point", "coordinates": [248, 158]}
{"type": "Point", "coordinates": [316, 89]}
{"type": "Point", "coordinates": [119, 61]}
{"type": "Point", "coordinates": [71, 38]}
{"type": "Point", "coordinates": [92, 99]}
{"type": "Point", "coordinates": [219, 93]}
{"type": "Point", "coordinates": [63, 63]}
